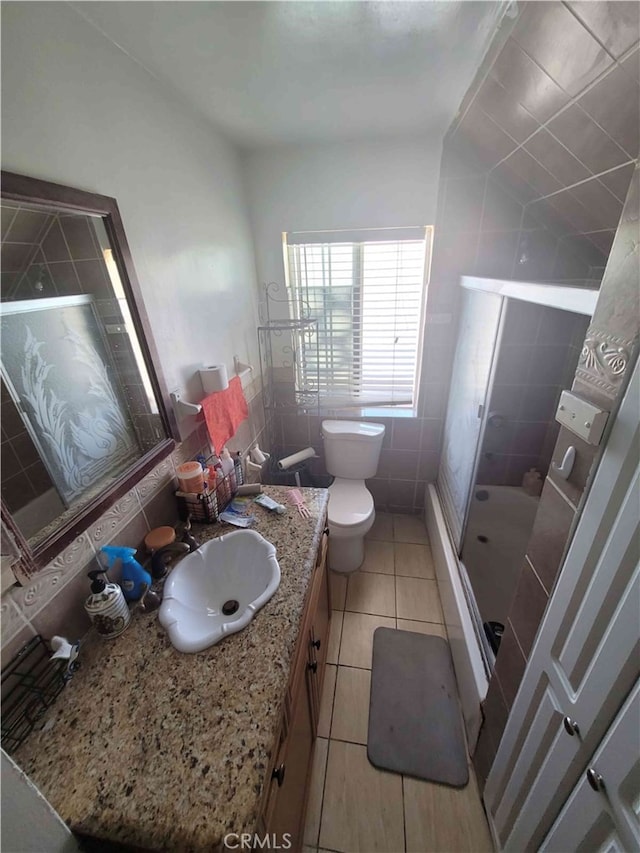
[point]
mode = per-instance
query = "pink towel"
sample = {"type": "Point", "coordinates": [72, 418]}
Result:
{"type": "Point", "coordinates": [224, 411]}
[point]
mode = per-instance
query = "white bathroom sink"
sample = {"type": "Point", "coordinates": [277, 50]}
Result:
{"type": "Point", "coordinates": [218, 589]}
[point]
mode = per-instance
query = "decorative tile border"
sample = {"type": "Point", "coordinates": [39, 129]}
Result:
{"type": "Point", "coordinates": [604, 360]}
{"type": "Point", "coordinates": [114, 518]}
{"type": "Point", "coordinates": [156, 480]}
{"type": "Point", "coordinates": [11, 618]}
{"type": "Point", "coordinates": [44, 585]}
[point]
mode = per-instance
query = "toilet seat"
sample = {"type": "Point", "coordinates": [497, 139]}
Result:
{"type": "Point", "coordinates": [350, 506]}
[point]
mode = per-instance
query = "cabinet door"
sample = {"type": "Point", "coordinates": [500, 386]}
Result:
{"type": "Point", "coordinates": [292, 770]}
{"type": "Point", "coordinates": [604, 818]}
{"type": "Point", "coordinates": [318, 632]}
{"type": "Point", "coordinates": [321, 614]}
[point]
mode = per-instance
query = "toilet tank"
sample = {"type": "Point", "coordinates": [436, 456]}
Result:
{"type": "Point", "coordinates": [351, 448]}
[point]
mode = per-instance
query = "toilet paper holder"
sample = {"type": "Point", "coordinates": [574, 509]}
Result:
{"type": "Point", "coordinates": [183, 409]}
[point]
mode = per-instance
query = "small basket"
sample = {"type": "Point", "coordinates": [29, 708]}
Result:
{"type": "Point", "coordinates": [30, 683]}
{"type": "Point", "coordinates": [205, 507]}
{"type": "Point", "coordinates": [202, 507]}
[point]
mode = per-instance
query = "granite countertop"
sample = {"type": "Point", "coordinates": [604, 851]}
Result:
{"type": "Point", "coordinates": [167, 751]}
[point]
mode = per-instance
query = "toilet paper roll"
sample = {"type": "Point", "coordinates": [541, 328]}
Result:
{"type": "Point", "coordinates": [214, 378]}
{"type": "Point", "coordinates": [290, 461]}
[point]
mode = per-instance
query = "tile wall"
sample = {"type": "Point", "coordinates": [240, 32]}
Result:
{"type": "Point", "coordinates": [408, 460]}
{"type": "Point", "coordinates": [52, 602]}
{"type": "Point", "coordinates": [535, 171]}
{"type": "Point", "coordinates": [606, 360]}
{"type": "Point", "coordinates": [557, 115]}
{"type": "Point", "coordinates": [24, 477]}
{"type": "Point", "coordinates": [537, 360]}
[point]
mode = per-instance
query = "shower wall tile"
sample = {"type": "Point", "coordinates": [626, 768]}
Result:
{"type": "Point", "coordinates": [616, 322]}
{"type": "Point", "coordinates": [615, 25]}
{"type": "Point", "coordinates": [406, 434]}
{"type": "Point", "coordinates": [495, 713]}
{"type": "Point", "coordinates": [527, 607]}
{"type": "Point", "coordinates": [492, 470]}
{"type": "Point", "coordinates": [428, 468]}
{"type": "Point", "coordinates": [433, 400]}
{"type": "Point", "coordinates": [573, 488]}
{"type": "Point", "coordinates": [510, 665]}
{"type": "Point", "coordinates": [600, 103]}
{"type": "Point", "coordinates": [431, 431]}
{"type": "Point", "coordinates": [547, 31]}
{"type": "Point", "coordinates": [518, 465]}
{"type": "Point", "coordinates": [574, 111]}
{"type": "Point", "coordinates": [526, 83]}
{"type": "Point", "coordinates": [549, 535]}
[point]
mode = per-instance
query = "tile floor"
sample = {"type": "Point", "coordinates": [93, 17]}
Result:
{"type": "Point", "coordinates": [353, 807]}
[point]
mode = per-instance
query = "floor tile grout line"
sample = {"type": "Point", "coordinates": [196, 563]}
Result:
{"type": "Point", "coordinates": [404, 817]}
{"type": "Point", "coordinates": [386, 616]}
{"type": "Point", "coordinates": [395, 586]}
{"type": "Point", "coordinates": [333, 699]}
{"type": "Point", "coordinates": [350, 666]}
{"type": "Point", "coordinates": [324, 783]}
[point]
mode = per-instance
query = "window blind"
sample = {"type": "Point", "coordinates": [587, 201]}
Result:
{"type": "Point", "coordinates": [367, 296]}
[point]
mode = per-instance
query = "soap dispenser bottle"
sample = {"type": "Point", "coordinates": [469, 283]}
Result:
{"type": "Point", "coordinates": [106, 606]}
{"type": "Point", "coordinates": [135, 580]}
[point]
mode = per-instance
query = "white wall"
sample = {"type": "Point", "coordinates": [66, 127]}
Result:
{"type": "Point", "coordinates": [76, 110]}
{"type": "Point", "coordinates": [343, 185]}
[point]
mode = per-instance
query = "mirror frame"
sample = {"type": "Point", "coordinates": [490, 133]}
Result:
{"type": "Point", "coordinates": [34, 191]}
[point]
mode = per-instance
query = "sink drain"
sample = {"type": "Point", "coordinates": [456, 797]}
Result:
{"type": "Point", "coordinates": [230, 606]}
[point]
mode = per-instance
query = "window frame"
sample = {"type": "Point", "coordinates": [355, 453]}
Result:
{"type": "Point", "coordinates": [357, 239]}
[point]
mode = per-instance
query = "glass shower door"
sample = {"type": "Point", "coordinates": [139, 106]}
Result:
{"type": "Point", "coordinates": [477, 339]}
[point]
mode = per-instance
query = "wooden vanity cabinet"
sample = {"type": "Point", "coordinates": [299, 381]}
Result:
{"type": "Point", "coordinates": [285, 794]}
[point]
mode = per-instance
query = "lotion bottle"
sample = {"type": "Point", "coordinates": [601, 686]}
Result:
{"type": "Point", "coordinates": [106, 606]}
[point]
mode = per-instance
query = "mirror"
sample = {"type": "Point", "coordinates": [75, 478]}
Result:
{"type": "Point", "coordinates": [84, 408]}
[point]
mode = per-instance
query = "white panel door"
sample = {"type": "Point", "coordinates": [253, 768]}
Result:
{"type": "Point", "coordinates": [477, 337]}
{"type": "Point", "coordinates": [586, 656]}
{"type": "Point", "coordinates": [605, 819]}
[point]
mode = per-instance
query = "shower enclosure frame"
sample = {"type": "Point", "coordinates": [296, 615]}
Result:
{"type": "Point", "coordinates": [577, 300]}
{"type": "Point", "coordinates": [473, 658]}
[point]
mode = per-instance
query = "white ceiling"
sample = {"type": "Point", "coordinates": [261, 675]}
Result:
{"type": "Point", "coordinates": [268, 73]}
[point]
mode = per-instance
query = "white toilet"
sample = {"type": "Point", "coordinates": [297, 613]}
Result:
{"type": "Point", "coordinates": [352, 451]}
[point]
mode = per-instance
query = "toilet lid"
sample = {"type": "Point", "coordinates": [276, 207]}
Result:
{"type": "Point", "coordinates": [350, 503]}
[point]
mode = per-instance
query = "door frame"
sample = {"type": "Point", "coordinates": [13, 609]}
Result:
{"type": "Point", "coordinates": [608, 488]}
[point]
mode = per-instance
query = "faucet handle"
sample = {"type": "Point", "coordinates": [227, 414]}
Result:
{"type": "Point", "coordinates": [163, 556]}
{"type": "Point", "coordinates": [187, 536]}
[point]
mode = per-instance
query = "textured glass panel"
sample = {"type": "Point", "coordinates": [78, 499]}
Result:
{"type": "Point", "coordinates": [61, 376]}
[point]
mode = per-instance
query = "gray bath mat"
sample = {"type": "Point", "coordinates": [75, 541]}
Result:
{"type": "Point", "coordinates": [415, 724]}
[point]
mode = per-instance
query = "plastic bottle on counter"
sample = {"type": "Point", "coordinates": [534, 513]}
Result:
{"type": "Point", "coordinates": [222, 486]}
{"type": "Point", "coordinates": [237, 462]}
{"type": "Point", "coordinates": [190, 477]}
{"type": "Point", "coordinates": [135, 579]}
{"type": "Point", "coordinates": [229, 470]}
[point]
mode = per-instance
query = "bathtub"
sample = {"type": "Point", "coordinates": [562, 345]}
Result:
{"type": "Point", "coordinates": [471, 669]}
{"type": "Point", "coordinates": [503, 521]}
